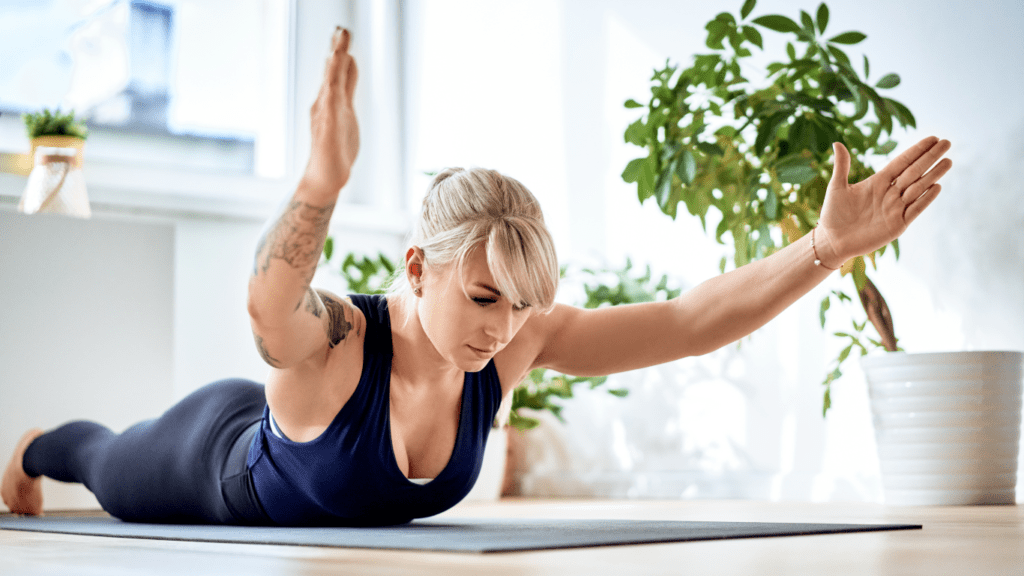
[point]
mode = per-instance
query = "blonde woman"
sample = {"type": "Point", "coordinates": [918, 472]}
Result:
{"type": "Point", "coordinates": [376, 409]}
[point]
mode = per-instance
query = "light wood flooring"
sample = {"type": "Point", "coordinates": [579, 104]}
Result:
{"type": "Point", "coordinates": [979, 540]}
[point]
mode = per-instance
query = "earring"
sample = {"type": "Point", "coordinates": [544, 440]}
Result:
{"type": "Point", "coordinates": [416, 291]}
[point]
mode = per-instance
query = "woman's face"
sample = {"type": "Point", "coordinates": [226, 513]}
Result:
{"type": "Point", "coordinates": [468, 331]}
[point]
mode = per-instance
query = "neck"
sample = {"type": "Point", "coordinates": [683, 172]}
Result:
{"type": "Point", "coordinates": [415, 362]}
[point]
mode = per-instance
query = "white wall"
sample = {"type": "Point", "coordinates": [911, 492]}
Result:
{"type": "Point", "coordinates": [85, 327]}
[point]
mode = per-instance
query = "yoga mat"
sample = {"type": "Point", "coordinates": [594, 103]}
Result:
{"type": "Point", "coordinates": [447, 534]}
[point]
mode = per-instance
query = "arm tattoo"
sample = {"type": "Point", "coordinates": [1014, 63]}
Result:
{"type": "Point", "coordinates": [264, 354]}
{"type": "Point", "coordinates": [313, 305]}
{"type": "Point", "coordinates": [338, 326]}
{"type": "Point", "coordinates": [297, 237]}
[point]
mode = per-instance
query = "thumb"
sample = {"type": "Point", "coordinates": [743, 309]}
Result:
{"type": "Point", "coordinates": [841, 168]}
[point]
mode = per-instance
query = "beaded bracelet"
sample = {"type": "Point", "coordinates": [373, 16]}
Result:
{"type": "Point", "coordinates": [817, 261]}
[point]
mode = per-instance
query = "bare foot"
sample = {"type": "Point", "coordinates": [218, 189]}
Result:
{"type": "Point", "coordinates": [22, 493]}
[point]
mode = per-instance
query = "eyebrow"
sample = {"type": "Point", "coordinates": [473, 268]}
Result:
{"type": "Point", "coordinates": [492, 289]}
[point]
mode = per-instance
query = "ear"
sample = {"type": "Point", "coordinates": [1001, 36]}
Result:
{"type": "Point", "coordinates": [414, 265]}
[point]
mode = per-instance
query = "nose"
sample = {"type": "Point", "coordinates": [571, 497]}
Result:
{"type": "Point", "coordinates": [502, 326]}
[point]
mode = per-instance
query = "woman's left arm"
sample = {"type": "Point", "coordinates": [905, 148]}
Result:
{"type": "Point", "coordinates": [856, 219]}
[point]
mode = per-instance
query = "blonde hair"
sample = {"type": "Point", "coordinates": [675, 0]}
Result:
{"type": "Point", "coordinates": [479, 208]}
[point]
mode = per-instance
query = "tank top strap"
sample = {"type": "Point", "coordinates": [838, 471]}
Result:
{"type": "Point", "coordinates": [378, 322]}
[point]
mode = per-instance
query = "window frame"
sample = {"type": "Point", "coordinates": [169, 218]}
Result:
{"type": "Point", "coordinates": [124, 189]}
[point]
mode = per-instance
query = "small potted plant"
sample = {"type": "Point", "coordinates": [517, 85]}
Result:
{"type": "Point", "coordinates": [56, 183]}
{"type": "Point", "coordinates": [759, 154]}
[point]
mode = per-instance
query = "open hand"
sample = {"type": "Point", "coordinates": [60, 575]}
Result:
{"type": "Point", "coordinates": [333, 120]}
{"type": "Point", "coordinates": [862, 217]}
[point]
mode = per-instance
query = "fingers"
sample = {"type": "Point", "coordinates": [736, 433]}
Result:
{"type": "Point", "coordinates": [914, 209]}
{"type": "Point", "coordinates": [342, 38]}
{"type": "Point", "coordinates": [915, 161]}
{"type": "Point", "coordinates": [919, 187]}
{"type": "Point", "coordinates": [841, 167]}
{"type": "Point", "coordinates": [340, 69]}
{"type": "Point", "coordinates": [350, 80]}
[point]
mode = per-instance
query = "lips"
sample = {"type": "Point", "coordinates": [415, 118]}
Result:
{"type": "Point", "coordinates": [483, 353]}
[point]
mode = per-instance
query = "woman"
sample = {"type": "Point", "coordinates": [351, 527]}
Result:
{"type": "Point", "coordinates": [376, 409]}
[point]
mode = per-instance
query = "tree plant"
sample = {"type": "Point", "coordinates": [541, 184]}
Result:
{"type": "Point", "coordinates": [753, 143]}
{"type": "Point", "coordinates": [46, 123]}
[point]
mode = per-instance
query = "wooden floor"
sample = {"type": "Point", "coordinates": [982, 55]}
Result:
{"type": "Point", "coordinates": [980, 540]}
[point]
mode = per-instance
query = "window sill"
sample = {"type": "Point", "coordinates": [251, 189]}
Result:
{"type": "Point", "coordinates": [141, 193]}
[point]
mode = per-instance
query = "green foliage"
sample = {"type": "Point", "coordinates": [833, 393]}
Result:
{"type": "Point", "coordinates": [46, 123]}
{"type": "Point", "coordinates": [362, 274]}
{"type": "Point", "coordinates": [540, 389]}
{"type": "Point", "coordinates": [758, 152]}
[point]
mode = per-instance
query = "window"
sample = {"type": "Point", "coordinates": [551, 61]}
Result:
{"type": "Point", "coordinates": [182, 84]}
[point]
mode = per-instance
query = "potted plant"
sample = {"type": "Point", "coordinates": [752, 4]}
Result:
{"type": "Point", "coordinates": [56, 183]}
{"type": "Point", "coordinates": [757, 151]}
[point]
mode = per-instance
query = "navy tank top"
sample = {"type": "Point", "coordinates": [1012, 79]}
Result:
{"type": "Point", "coordinates": [348, 476]}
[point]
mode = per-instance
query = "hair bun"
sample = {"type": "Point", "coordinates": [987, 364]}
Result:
{"type": "Point", "coordinates": [444, 174]}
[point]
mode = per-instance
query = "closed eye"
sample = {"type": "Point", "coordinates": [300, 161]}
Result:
{"type": "Point", "coordinates": [487, 301]}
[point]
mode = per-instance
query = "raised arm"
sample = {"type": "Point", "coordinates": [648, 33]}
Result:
{"type": "Point", "coordinates": [856, 219]}
{"type": "Point", "coordinates": [291, 321]}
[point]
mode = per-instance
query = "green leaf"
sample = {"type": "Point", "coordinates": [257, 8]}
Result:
{"type": "Point", "coordinates": [807, 21]}
{"type": "Point", "coordinates": [771, 209]}
{"type": "Point", "coordinates": [790, 51]}
{"type": "Point", "coordinates": [886, 148]}
{"type": "Point", "coordinates": [715, 37]}
{"type": "Point", "coordinates": [753, 36]}
{"type": "Point", "coordinates": [721, 265]}
{"type": "Point", "coordinates": [848, 38]}
{"type": "Point", "coordinates": [686, 169]}
{"type": "Point", "coordinates": [795, 170]}
{"type": "Point", "coordinates": [663, 188]}
{"type": "Point", "coordinates": [328, 248]}
{"type": "Point", "coordinates": [748, 7]}
{"type": "Point", "coordinates": [896, 247]}
{"type": "Point", "coordinates": [845, 353]}
{"type": "Point", "coordinates": [888, 81]}
{"type": "Point", "coordinates": [860, 279]}
{"type": "Point", "coordinates": [726, 18]}
{"type": "Point", "coordinates": [778, 23]}
{"type": "Point", "coordinates": [710, 149]}
{"type": "Point", "coordinates": [632, 171]}
{"type": "Point", "coordinates": [822, 18]}
{"type": "Point", "coordinates": [766, 130]}
{"type": "Point", "coordinates": [840, 57]}
{"type": "Point", "coordinates": [645, 183]}
{"type": "Point", "coordinates": [903, 113]}
{"type": "Point", "coordinates": [825, 304]}
{"type": "Point", "coordinates": [826, 403]}
{"type": "Point", "coordinates": [867, 67]}
{"type": "Point", "coordinates": [636, 133]}
{"type": "Point", "coordinates": [633, 104]}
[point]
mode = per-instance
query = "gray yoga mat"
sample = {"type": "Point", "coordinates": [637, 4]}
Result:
{"type": "Point", "coordinates": [446, 534]}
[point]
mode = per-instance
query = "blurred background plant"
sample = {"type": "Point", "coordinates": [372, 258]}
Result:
{"type": "Point", "coordinates": [754, 142]}
{"type": "Point", "coordinates": [542, 389]}
{"type": "Point", "coordinates": [46, 123]}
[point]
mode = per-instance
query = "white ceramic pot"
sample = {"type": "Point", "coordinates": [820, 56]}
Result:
{"type": "Point", "coordinates": [948, 425]}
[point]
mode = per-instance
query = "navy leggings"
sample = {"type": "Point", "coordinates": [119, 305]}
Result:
{"type": "Point", "coordinates": [188, 466]}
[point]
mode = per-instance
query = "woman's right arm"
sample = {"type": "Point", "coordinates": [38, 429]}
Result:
{"type": "Point", "coordinates": [291, 321]}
